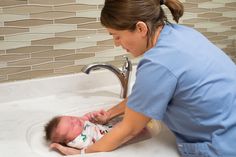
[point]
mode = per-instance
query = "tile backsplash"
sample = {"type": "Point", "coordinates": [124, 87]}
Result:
{"type": "Point", "coordinates": [40, 38]}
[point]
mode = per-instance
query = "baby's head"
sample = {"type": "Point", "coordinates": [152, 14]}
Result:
{"type": "Point", "coordinates": [63, 129]}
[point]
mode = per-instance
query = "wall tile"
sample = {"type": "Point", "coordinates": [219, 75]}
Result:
{"type": "Point", "coordinates": [50, 15]}
{"type": "Point", "coordinates": [94, 37]}
{"type": "Point", "coordinates": [75, 20]}
{"type": "Point", "coordinates": [12, 57]}
{"type": "Point", "coordinates": [27, 37]}
{"type": "Point", "coordinates": [52, 28]}
{"type": "Point", "coordinates": [76, 33]}
{"type": "Point", "coordinates": [220, 19]}
{"type": "Point", "coordinates": [3, 64]}
{"type": "Point", "coordinates": [105, 42]}
{"type": "Point", "coordinates": [12, 70]}
{"type": "Point", "coordinates": [5, 3]}
{"type": "Point", "coordinates": [223, 9]}
{"type": "Point", "coordinates": [118, 51]}
{"type": "Point", "coordinates": [86, 61]}
{"type": "Point", "coordinates": [196, 10]}
{"type": "Point", "coordinates": [210, 5]}
{"type": "Point", "coordinates": [69, 69]}
{"type": "Point", "coordinates": [231, 14]}
{"type": "Point", "coordinates": [210, 15]}
{"type": "Point", "coordinates": [12, 17]}
{"type": "Point", "coordinates": [229, 32]}
{"type": "Point", "coordinates": [53, 65]}
{"type": "Point", "coordinates": [30, 74]}
{"type": "Point", "coordinates": [74, 45]}
{"type": "Point", "coordinates": [229, 23]}
{"type": "Point", "coordinates": [91, 13]}
{"type": "Point", "coordinates": [232, 4]}
{"type": "Point", "coordinates": [73, 57]}
{"type": "Point", "coordinates": [3, 78]}
{"type": "Point", "coordinates": [53, 41]}
{"type": "Point", "coordinates": [51, 2]}
{"type": "Point", "coordinates": [52, 53]}
{"type": "Point", "coordinates": [195, 20]}
{"type": "Point", "coordinates": [74, 7]}
{"type": "Point", "coordinates": [28, 62]}
{"type": "Point", "coordinates": [28, 22]}
{"type": "Point", "coordinates": [26, 9]}
{"type": "Point", "coordinates": [12, 30]}
{"type": "Point", "coordinates": [2, 52]}
{"type": "Point", "coordinates": [92, 25]}
{"type": "Point", "coordinates": [218, 29]}
{"type": "Point", "coordinates": [4, 45]}
{"type": "Point", "coordinates": [94, 49]}
{"type": "Point", "coordinates": [29, 49]}
{"type": "Point", "coordinates": [218, 38]}
{"type": "Point", "coordinates": [93, 2]}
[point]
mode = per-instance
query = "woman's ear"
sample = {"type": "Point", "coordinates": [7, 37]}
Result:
{"type": "Point", "coordinates": [142, 28]}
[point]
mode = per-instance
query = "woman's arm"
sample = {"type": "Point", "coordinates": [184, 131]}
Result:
{"type": "Point", "coordinates": [117, 110]}
{"type": "Point", "coordinates": [132, 123]}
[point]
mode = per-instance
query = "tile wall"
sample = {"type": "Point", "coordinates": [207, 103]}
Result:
{"type": "Point", "coordinates": [44, 38]}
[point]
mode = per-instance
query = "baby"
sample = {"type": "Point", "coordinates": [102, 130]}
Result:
{"type": "Point", "coordinates": [77, 132]}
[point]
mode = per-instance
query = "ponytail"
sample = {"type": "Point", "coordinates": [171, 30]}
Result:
{"type": "Point", "coordinates": [176, 8]}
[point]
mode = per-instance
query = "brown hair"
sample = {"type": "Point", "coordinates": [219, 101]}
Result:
{"type": "Point", "coordinates": [50, 126]}
{"type": "Point", "coordinates": [124, 14]}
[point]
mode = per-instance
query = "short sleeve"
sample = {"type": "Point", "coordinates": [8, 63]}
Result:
{"type": "Point", "coordinates": [153, 89]}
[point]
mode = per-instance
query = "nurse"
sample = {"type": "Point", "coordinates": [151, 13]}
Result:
{"type": "Point", "coordinates": [182, 80]}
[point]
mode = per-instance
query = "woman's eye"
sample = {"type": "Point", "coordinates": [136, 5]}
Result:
{"type": "Point", "coordinates": [116, 38]}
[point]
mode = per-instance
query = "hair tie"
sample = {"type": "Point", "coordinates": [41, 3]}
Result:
{"type": "Point", "coordinates": [162, 2]}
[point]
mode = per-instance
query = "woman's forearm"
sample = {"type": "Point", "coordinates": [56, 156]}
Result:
{"type": "Point", "coordinates": [118, 109]}
{"type": "Point", "coordinates": [132, 123]}
{"type": "Point", "coordinates": [111, 140]}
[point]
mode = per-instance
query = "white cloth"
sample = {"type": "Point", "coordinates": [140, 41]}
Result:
{"type": "Point", "coordinates": [90, 134]}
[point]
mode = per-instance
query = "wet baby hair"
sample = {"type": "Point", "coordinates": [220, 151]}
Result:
{"type": "Point", "coordinates": [50, 126]}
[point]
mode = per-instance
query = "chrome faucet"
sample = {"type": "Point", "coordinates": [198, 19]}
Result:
{"type": "Point", "coordinates": [122, 74]}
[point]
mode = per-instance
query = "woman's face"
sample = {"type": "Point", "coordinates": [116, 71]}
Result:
{"type": "Point", "coordinates": [67, 129]}
{"type": "Point", "coordinates": [133, 42]}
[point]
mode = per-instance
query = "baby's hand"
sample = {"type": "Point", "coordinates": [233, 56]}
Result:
{"type": "Point", "coordinates": [64, 149]}
{"type": "Point", "coordinates": [100, 117]}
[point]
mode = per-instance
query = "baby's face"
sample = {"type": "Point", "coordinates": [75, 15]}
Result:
{"type": "Point", "coordinates": [68, 129]}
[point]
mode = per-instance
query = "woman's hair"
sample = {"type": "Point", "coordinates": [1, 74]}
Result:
{"type": "Point", "coordinates": [50, 126]}
{"type": "Point", "coordinates": [124, 14]}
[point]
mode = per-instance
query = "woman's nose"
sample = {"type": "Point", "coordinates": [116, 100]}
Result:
{"type": "Point", "coordinates": [116, 42]}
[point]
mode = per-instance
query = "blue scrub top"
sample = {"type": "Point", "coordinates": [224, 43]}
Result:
{"type": "Point", "coordinates": [189, 84]}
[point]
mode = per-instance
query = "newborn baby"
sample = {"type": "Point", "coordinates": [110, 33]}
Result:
{"type": "Point", "coordinates": [76, 132]}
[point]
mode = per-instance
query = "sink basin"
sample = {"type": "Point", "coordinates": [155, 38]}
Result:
{"type": "Point", "coordinates": [26, 106]}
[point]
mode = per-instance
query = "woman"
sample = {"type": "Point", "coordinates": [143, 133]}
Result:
{"type": "Point", "coordinates": [182, 79]}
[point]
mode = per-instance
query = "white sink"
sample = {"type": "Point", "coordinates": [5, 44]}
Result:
{"type": "Point", "coordinates": [26, 106]}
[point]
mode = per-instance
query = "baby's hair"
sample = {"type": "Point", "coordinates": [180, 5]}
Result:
{"type": "Point", "coordinates": [50, 126]}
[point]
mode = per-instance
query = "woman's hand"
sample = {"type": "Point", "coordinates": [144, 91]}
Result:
{"type": "Point", "coordinates": [100, 117]}
{"type": "Point", "coordinates": [64, 149]}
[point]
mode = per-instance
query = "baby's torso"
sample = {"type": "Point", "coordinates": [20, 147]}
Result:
{"type": "Point", "coordinates": [90, 134]}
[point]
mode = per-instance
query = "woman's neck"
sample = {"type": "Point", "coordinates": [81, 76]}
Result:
{"type": "Point", "coordinates": [156, 36]}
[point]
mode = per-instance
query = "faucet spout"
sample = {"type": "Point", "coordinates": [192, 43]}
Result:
{"type": "Point", "coordinates": [123, 74]}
